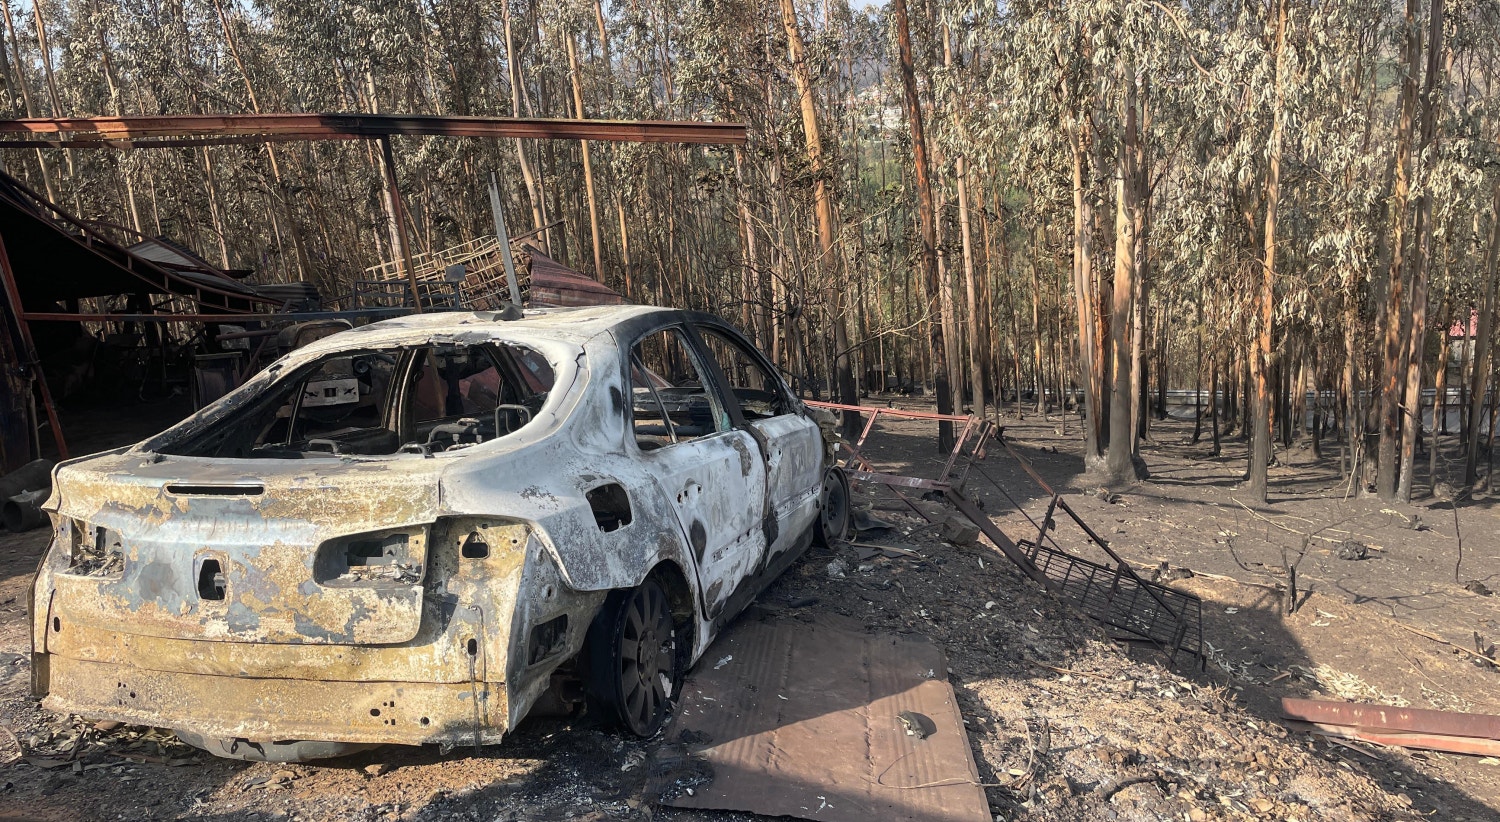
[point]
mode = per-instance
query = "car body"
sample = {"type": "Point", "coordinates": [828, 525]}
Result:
{"type": "Point", "coordinates": [411, 531]}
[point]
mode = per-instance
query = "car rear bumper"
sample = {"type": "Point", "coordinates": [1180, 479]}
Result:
{"type": "Point", "coordinates": [263, 710]}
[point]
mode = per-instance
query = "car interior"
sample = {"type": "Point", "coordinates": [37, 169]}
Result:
{"type": "Point", "coordinates": [418, 400]}
{"type": "Point", "coordinates": [669, 400]}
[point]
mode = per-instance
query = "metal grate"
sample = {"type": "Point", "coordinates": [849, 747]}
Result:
{"type": "Point", "coordinates": [1117, 597]}
{"type": "Point", "coordinates": [1112, 594]}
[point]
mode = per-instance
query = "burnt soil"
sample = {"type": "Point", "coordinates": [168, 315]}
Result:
{"type": "Point", "coordinates": [1065, 723]}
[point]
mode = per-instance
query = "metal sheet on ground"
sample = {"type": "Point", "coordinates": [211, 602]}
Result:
{"type": "Point", "coordinates": [808, 719]}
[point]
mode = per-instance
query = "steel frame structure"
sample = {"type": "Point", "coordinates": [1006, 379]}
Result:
{"type": "Point", "coordinates": [169, 131]}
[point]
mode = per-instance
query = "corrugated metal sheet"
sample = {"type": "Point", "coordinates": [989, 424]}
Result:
{"type": "Point", "coordinates": [803, 718]}
{"type": "Point", "coordinates": [555, 285]}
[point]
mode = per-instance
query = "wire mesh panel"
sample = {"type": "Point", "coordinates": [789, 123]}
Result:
{"type": "Point", "coordinates": [1171, 619]}
{"type": "Point", "coordinates": [1110, 593]}
{"type": "Point", "coordinates": [482, 287]}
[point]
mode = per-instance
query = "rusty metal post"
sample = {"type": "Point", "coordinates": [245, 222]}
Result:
{"type": "Point", "coordinates": [398, 213]}
{"type": "Point", "coordinates": [13, 298]}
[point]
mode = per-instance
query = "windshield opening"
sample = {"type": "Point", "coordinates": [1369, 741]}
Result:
{"type": "Point", "coordinates": [378, 402]}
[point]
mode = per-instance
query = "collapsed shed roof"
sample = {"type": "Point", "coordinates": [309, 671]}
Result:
{"type": "Point", "coordinates": [57, 257]}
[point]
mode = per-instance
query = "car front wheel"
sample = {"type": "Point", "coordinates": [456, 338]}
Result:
{"type": "Point", "coordinates": [834, 510]}
{"type": "Point", "coordinates": [636, 658]}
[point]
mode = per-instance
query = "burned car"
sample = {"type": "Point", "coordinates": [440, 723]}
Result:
{"type": "Point", "coordinates": [419, 530]}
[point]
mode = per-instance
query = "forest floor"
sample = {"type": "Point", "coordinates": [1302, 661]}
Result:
{"type": "Point", "coordinates": [1064, 723]}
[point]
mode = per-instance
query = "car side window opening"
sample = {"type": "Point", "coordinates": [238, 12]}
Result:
{"type": "Point", "coordinates": [375, 402]}
{"type": "Point", "coordinates": [670, 401]}
{"type": "Point", "coordinates": [461, 395]}
{"type": "Point", "coordinates": [758, 392]}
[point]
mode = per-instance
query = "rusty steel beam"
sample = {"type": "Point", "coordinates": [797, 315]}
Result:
{"type": "Point", "coordinates": [287, 317]}
{"type": "Point", "coordinates": [140, 131]}
{"type": "Point", "coordinates": [1447, 743]}
{"type": "Point", "coordinates": [89, 141]}
{"type": "Point", "coordinates": [1007, 546]}
{"type": "Point", "coordinates": [1391, 718]}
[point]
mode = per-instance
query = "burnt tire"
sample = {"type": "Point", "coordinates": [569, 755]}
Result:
{"type": "Point", "coordinates": [637, 658]}
{"type": "Point", "coordinates": [834, 508]}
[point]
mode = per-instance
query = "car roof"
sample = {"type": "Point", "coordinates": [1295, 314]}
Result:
{"type": "Point", "coordinates": [575, 325]}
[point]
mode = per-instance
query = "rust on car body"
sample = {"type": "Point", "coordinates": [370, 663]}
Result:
{"type": "Point", "coordinates": [404, 533]}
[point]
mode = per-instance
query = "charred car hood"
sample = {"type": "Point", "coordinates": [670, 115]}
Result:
{"type": "Point", "coordinates": [280, 551]}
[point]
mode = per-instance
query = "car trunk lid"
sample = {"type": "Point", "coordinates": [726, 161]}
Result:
{"type": "Point", "coordinates": [281, 551]}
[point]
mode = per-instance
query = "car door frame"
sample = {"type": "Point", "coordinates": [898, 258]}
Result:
{"type": "Point", "coordinates": [715, 594]}
{"type": "Point", "coordinates": [777, 534]}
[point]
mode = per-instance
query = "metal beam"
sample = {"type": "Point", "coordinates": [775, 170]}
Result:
{"type": "Point", "coordinates": [237, 319]}
{"type": "Point", "coordinates": [218, 129]}
{"type": "Point", "coordinates": [1392, 718]}
{"type": "Point", "coordinates": [1473, 745]}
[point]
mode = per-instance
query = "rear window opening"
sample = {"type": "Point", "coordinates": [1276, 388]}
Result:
{"type": "Point", "coordinates": [381, 402]}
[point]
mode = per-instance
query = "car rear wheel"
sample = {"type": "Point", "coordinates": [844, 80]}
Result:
{"type": "Point", "coordinates": [636, 658]}
{"type": "Point", "coordinates": [833, 507]}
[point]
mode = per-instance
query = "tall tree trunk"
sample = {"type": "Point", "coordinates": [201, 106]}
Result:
{"type": "Point", "coordinates": [1260, 357]}
{"type": "Point", "coordinates": [961, 183]}
{"type": "Point", "coordinates": [588, 165]}
{"type": "Point", "coordinates": [1480, 345]}
{"type": "Point", "coordinates": [1394, 369]}
{"type": "Point", "coordinates": [828, 260]}
{"type": "Point", "coordinates": [12, 102]}
{"type": "Point", "coordinates": [1440, 384]}
{"type": "Point", "coordinates": [928, 217]}
{"type": "Point", "coordinates": [976, 374]}
{"type": "Point", "coordinates": [52, 95]}
{"type": "Point", "coordinates": [513, 74]}
{"type": "Point", "coordinates": [1354, 424]}
{"type": "Point", "coordinates": [1036, 330]}
{"type": "Point", "coordinates": [1417, 337]}
{"type": "Point", "coordinates": [1213, 399]}
{"type": "Point", "coordinates": [15, 50]}
{"type": "Point", "coordinates": [1198, 374]}
{"type": "Point", "coordinates": [1090, 364]}
{"type": "Point", "coordinates": [1119, 465]}
{"type": "Point", "coordinates": [279, 196]}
